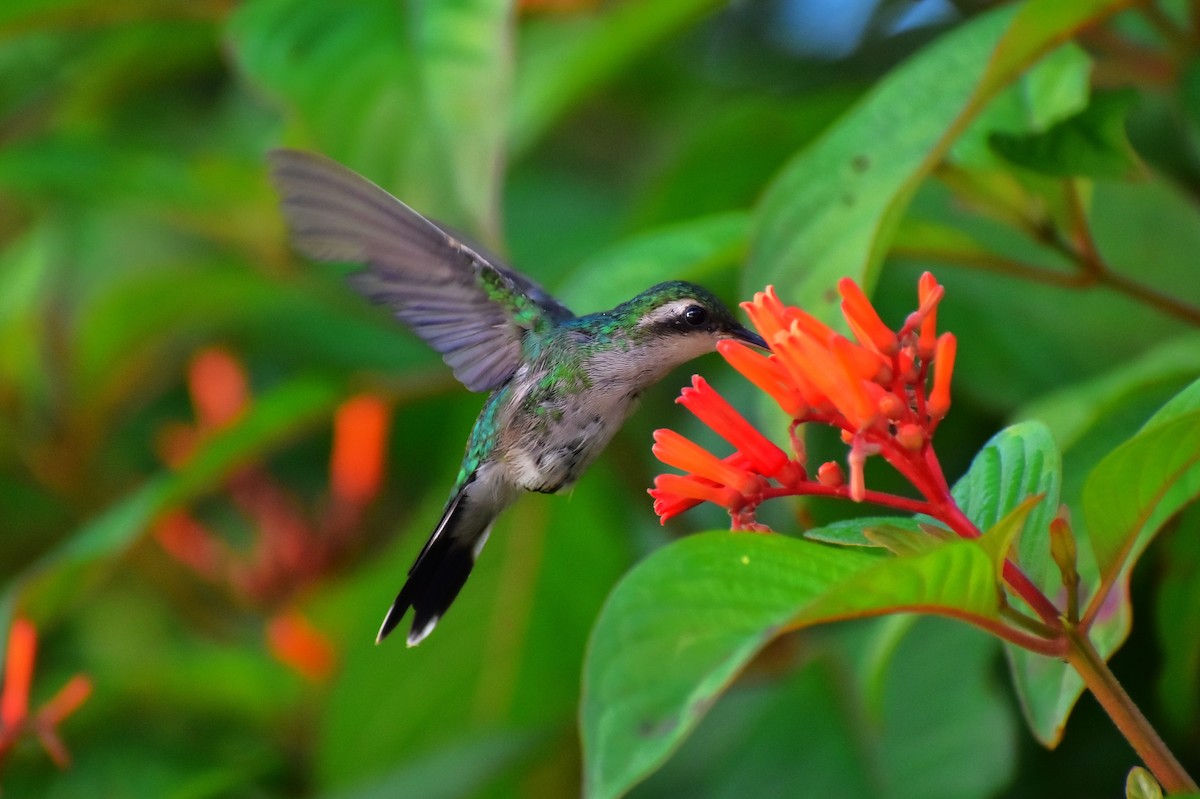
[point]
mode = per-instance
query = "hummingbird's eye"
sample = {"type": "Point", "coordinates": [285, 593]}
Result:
{"type": "Point", "coordinates": [695, 315]}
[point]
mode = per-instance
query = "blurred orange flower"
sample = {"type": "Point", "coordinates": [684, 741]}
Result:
{"type": "Point", "coordinates": [15, 719]}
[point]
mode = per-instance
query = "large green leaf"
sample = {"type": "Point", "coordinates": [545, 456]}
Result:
{"type": "Point", "coordinates": [1017, 463]}
{"type": "Point", "coordinates": [1141, 484]}
{"type": "Point", "coordinates": [413, 96]}
{"type": "Point", "coordinates": [1091, 143]}
{"type": "Point", "coordinates": [832, 211]}
{"type": "Point", "coordinates": [562, 60]}
{"type": "Point", "coordinates": [1073, 411]}
{"type": "Point", "coordinates": [938, 724]}
{"type": "Point", "coordinates": [684, 622]}
{"type": "Point", "coordinates": [465, 62]}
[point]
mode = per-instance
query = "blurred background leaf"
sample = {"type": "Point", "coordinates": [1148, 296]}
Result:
{"type": "Point", "coordinates": [222, 595]}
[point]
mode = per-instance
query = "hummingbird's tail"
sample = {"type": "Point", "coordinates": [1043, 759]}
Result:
{"type": "Point", "coordinates": [442, 567]}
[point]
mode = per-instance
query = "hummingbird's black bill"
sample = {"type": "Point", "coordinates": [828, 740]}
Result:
{"type": "Point", "coordinates": [750, 337]}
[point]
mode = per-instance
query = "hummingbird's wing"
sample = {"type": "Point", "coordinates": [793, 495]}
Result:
{"type": "Point", "coordinates": [465, 304]}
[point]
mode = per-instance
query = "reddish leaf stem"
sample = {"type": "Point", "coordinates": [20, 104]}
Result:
{"type": "Point", "coordinates": [1103, 684]}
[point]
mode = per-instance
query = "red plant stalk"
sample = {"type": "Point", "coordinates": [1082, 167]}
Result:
{"type": "Point", "coordinates": [887, 392]}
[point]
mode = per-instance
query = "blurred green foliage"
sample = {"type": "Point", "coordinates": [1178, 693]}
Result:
{"type": "Point", "coordinates": [1043, 159]}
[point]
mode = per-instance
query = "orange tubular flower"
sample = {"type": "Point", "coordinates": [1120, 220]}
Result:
{"type": "Point", "coordinates": [673, 487]}
{"type": "Point", "coordinates": [939, 398]}
{"type": "Point", "coordinates": [765, 373]}
{"type": "Point", "coordinates": [359, 448]}
{"type": "Point", "coordinates": [296, 643]}
{"type": "Point", "coordinates": [18, 673]}
{"type": "Point", "coordinates": [675, 450]}
{"type": "Point", "coordinates": [875, 388]}
{"type": "Point", "coordinates": [712, 409]}
{"type": "Point", "coordinates": [14, 700]}
{"type": "Point", "coordinates": [861, 316]}
{"type": "Point", "coordinates": [928, 295]}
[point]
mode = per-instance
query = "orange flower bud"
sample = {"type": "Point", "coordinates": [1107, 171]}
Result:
{"type": "Point", "coordinates": [218, 385]}
{"type": "Point", "coordinates": [864, 320]}
{"type": "Point", "coordinates": [359, 454]}
{"type": "Point", "coordinates": [18, 672]}
{"type": "Point", "coordinates": [943, 368]}
{"type": "Point", "coordinates": [831, 474]}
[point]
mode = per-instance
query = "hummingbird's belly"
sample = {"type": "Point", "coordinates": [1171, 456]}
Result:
{"type": "Point", "coordinates": [553, 457]}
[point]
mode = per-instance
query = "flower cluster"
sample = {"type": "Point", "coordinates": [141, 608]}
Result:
{"type": "Point", "coordinates": [294, 545]}
{"type": "Point", "coordinates": [885, 390]}
{"type": "Point", "coordinates": [15, 718]}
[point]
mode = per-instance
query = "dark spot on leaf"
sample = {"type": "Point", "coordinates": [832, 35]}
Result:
{"type": "Point", "coordinates": [848, 199]}
{"type": "Point", "coordinates": [657, 729]}
{"type": "Point", "coordinates": [860, 163]}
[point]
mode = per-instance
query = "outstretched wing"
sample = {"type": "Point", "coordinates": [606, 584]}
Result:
{"type": "Point", "coordinates": [466, 305]}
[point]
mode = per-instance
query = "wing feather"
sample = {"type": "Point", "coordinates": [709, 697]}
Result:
{"type": "Point", "coordinates": [465, 304]}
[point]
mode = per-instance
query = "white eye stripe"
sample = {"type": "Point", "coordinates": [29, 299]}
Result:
{"type": "Point", "coordinates": [667, 313]}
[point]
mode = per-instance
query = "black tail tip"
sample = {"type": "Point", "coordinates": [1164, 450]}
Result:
{"type": "Point", "coordinates": [421, 627]}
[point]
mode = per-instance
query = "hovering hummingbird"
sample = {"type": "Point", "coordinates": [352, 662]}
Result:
{"type": "Point", "coordinates": [560, 385]}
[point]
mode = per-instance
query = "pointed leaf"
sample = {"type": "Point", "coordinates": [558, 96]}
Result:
{"type": "Point", "coordinates": [465, 60]}
{"type": "Point", "coordinates": [832, 211]}
{"type": "Point", "coordinates": [562, 61]}
{"type": "Point", "coordinates": [1141, 484]}
{"type": "Point", "coordinates": [683, 623]}
{"type": "Point", "coordinates": [1092, 143]}
{"type": "Point", "coordinates": [1018, 462]}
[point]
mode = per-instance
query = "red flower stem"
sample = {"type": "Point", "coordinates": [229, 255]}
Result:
{"type": "Point", "coordinates": [948, 512]}
{"type": "Point", "coordinates": [1133, 725]}
{"type": "Point", "coordinates": [812, 489]}
{"type": "Point", "coordinates": [1050, 647]}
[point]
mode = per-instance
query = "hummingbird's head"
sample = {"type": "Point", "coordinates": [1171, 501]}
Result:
{"type": "Point", "coordinates": [686, 320]}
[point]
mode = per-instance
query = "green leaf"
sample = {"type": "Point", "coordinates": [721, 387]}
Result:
{"type": "Point", "coordinates": [1092, 143]}
{"type": "Point", "coordinates": [692, 250]}
{"type": "Point", "coordinates": [1177, 606]}
{"type": "Point", "coordinates": [1134, 490]}
{"type": "Point", "coordinates": [563, 60]}
{"type": "Point", "coordinates": [833, 209]}
{"type": "Point", "coordinates": [273, 417]}
{"type": "Point", "coordinates": [683, 623]}
{"type": "Point", "coordinates": [935, 725]}
{"type": "Point", "coordinates": [465, 61]}
{"type": "Point", "coordinates": [1020, 462]}
{"type": "Point", "coordinates": [856, 532]}
{"type": "Point", "coordinates": [412, 96]}
{"type": "Point", "coordinates": [1052, 90]}
{"type": "Point", "coordinates": [1073, 411]}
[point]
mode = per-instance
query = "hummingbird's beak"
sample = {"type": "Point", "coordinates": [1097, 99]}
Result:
{"type": "Point", "coordinates": [749, 336]}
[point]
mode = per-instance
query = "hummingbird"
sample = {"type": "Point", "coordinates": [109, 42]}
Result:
{"type": "Point", "coordinates": [559, 385]}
